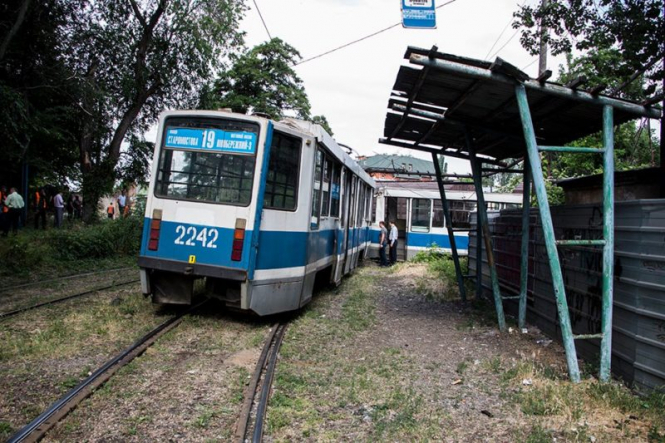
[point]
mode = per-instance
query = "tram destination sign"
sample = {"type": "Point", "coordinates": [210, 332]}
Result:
{"type": "Point", "coordinates": [419, 14]}
{"type": "Point", "coordinates": [213, 140]}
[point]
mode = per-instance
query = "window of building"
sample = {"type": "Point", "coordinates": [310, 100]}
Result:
{"type": "Point", "coordinates": [460, 212]}
{"type": "Point", "coordinates": [437, 216]}
{"type": "Point", "coordinates": [420, 214]}
{"type": "Point", "coordinates": [282, 181]}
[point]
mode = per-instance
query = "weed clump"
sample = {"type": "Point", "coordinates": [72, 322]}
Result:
{"type": "Point", "coordinates": [441, 266]}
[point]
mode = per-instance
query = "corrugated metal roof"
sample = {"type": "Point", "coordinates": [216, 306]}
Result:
{"type": "Point", "coordinates": [396, 163]}
{"type": "Point", "coordinates": [480, 97]}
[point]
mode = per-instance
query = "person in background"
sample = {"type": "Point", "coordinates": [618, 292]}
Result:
{"type": "Point", "coordinates": [383, 244]}
{"type": "Point", "coordinates": [78, 206]}
{"type": "Point", "coordinates": [4, 210]}
{"type": "Point", "coordinates": [122, 202]}
{"type": "Point", "coordinates": [393, 240]}
{"type": "Point", "coordinates": [110, 210]}
{"type": "Point", "coordinates": [70, 207]}
{"type": "Point", "coordinates": [14, 203]}
{"type": "Point", "coordinates": [40, 208]}
{"type": "Point", "coordinates": [59, 207]}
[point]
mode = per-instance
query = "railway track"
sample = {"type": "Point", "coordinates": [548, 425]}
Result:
{"type": "Point", "coordinates": [252, 416]}
{"type": "Point", "coordinates": [58, 300]}
{"type": "Point", "coordinates": [66, 277]}
{"type": "Point", "coordinates": [37, 428]}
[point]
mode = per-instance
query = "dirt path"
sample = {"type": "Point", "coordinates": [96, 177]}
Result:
{"type": "Point", "coordinates": [428, 370]}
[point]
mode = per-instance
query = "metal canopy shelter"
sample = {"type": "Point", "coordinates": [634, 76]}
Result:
{"type": "Point", "coordinates": [490, 112]}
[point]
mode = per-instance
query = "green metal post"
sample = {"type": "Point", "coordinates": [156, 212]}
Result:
{"type": "Point", "coordinates": [449, 225]}
{"type": "Point", "coordinates": [524, 265]}
{"type": "Point", "coordinates": [479, 258]}
{"type": "Point", "coordinates": [482, 220]}
{"type": "Point", "coordinates": [548, 232]}
{"type": "Point", "coordinates": [608, 248]}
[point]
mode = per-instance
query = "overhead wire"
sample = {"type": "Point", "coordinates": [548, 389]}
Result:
{"type": "Point", "coordinates": [499, 37]}
{"type": "Point", "coordinates": [262, 21]}
{"type": "Point", "coordinates": [360, 39]}
{"type": "Point", "coordinates": [505, 44]}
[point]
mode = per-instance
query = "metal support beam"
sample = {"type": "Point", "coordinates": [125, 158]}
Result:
{"type": "Point", "coordinates": [440, 118]}
{"type": "Point", "coordinates": [479, 256]}
{"type": "Point", "coordinates": [524, 264]}
{"type": "Point", "coordinates": [548, 88]}
{"type": "Point", "coordinates": [572, 149]}
{"type": "Point", "coordinates": [449, 225]}
{"type": "Point", "coordinates": [442, 151]}
{"type": "Point", "coordinates": [608, 248]}
{"type": "Point", "coordinates": [548, 232]}
{"type": "Point", "coordinates": [414, 93]}
{"type": "Point", "coordinates": [476, 167]}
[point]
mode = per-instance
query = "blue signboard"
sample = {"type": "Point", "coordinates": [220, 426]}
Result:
{"type": "Point", "coordinates": [215, 140]}
{"type": "Point", "coordinates": [418, 14]}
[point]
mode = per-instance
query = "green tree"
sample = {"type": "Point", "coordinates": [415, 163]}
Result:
{"type": "Point", "coordinates": [634, 143]}
{"type": "Point", "coordinates": [37, 120]}
{"type": "Point", "coordinates": [633, 28]}
{"type": "Point", "coordinates": [261, 80]}
{"type": "Point", "coordinates": [131, 60]}
{"type": "Point", "coordinates": [323, 121]}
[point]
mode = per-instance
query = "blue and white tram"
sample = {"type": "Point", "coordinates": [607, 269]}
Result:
{"type": "Point", "coordinates": [259, 209]}
{"type": "Point", "coordinates": [418, 215]}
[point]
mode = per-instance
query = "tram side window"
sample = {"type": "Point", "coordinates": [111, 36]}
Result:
{"type": "Point", "coordinates": [316, 192]}
{"type": "Point", "coordinates": [437, 216]}
{"type": "Point", "coordinates": [373, 207]}
{"type": "Point", "coordinates": [325, 192]}
{"type": "Point", "coordinates": [334, 191]}
{"type": "Point", "coordinates": [460, 212]}
{"type": "Point", "coordinates": [282, 181]}
{"type": "Point", "coordinates": [361, 203]}
{"type": "Point", "coordinates": [420, 214]}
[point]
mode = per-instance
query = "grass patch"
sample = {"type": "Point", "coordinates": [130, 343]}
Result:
{"type": "Point", "coordinates": [441, 267]}
{"type": "Point", "coordinates": [39, 255]}
{"type": "Point", "coordinates": [6, 430]}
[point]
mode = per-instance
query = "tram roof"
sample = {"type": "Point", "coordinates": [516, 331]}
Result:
{"type": "Point", "coordinates": [437, 96]}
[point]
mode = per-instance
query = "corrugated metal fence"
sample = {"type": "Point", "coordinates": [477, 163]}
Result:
{"type": "Point", "coordinates": [638, 352]}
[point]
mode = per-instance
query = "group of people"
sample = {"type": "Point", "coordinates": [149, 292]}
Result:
{"type": "Point", "coordinates": [12, 204]}
{"type": "Point", "coordinates": [123, 203]}
{"type": "Point", "coordinates": [388, 240]}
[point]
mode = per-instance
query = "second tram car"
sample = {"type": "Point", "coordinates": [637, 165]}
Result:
{"type": "Point", "coordinates": [418, 215]}
{"type": "Point", "coordinates": [258, 209]}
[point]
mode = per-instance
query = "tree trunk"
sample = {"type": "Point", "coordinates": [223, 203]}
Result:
{"type": "Point", "coordinates": [14, 29]}
{"type": "Point", "coordinates": [96, 183]}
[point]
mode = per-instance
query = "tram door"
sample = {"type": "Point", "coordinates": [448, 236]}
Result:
{"type": "Point", "coordinates": [396, 210]}
{"type": "Point", "coordinates": [348, 221]}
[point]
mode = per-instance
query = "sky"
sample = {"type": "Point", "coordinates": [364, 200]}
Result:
{"type": "Point", "coordinates": [351, 86]}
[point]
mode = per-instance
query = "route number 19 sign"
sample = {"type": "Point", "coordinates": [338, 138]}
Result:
{"type": "Point", "coordinates": [418, 14]}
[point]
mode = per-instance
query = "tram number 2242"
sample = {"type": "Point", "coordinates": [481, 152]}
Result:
{"type": "Point", "coordinates": [190, 236]}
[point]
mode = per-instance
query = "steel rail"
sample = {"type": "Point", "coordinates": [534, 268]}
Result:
{"type": "Point", "coordinates": [36, 429]}
{"type": "Point", "coordinates": [58, 300]}
{"type": "Point", "coordinates": [273, 342]}
{"type": "Point", "coordinates": [267, 384]}
{"type": "Point", "coordinates": [67, 277]}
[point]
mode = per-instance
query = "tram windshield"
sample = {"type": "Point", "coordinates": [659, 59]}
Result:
{"type": "Point", "coordinates": [206, 159]}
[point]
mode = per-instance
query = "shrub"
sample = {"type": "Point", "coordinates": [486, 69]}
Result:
{"type": "Point", "coordinates": [112, 237]}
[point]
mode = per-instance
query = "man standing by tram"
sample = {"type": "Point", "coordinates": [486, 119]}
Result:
{"type": "Point", "coordinates": [393, 240]}
{"type": "Point", "coordinates": [383, 244]}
